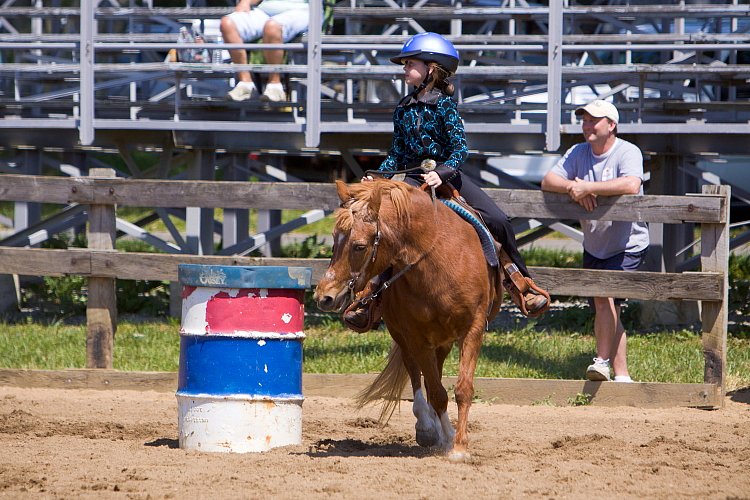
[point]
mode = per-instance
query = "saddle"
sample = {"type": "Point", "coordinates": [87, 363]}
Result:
{"type": "Point", "coordinates": [514, 282]}
{"type": "Point", "coordinates": [364, 313]}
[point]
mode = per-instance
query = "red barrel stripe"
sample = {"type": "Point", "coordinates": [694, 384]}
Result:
{"type": "Point", "coordinates": [256, 310]}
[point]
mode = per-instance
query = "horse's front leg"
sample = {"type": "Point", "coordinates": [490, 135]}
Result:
{"type": "Point", "coordinates": [430, 362]}
{"type": "Point", "coordinates": [469, 348]}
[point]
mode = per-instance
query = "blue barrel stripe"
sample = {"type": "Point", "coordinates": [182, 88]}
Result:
{"type": "Point", "coordinates": [221, 365]}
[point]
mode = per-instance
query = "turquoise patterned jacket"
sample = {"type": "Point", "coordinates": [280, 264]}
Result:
{"type": "Point", "coordinates": [428, 128]}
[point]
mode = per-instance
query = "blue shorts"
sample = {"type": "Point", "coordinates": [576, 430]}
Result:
{"type": "Point", "coordinates": [620, 262]}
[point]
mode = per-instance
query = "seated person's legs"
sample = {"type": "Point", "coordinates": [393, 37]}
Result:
{"type": "Point", "coordinates": [242, 27]}
{"type": "Point", "coordinates": [282, 27]}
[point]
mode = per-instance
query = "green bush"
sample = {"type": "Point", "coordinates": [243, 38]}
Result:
{"type": "Point", "coordinates": [309, 248]}
{"type": "Point", "coordinates": [739, 284]}
{"type": "Point", "coordinates": [547, 257]}
{"type": "Point", "coordinates": [66, 296]}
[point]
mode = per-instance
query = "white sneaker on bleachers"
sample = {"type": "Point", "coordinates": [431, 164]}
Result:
{"type": "Point", "coordinates": [242, 92]}
{"type": "Point", "coordinates": [274, 93]}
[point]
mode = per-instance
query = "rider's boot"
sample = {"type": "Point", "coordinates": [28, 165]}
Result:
{"type": "Point", "coordinates": [535, 302]}
{"type": "Point", "coordinates": [364, 316]}
{"type": "Point", "coordinates": [527, 295]}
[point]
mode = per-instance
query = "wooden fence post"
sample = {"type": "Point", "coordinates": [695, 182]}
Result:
{"type": "Point", "coordinates": [715, 257]}
{"type": "Point", "coordinates": [101, 309]}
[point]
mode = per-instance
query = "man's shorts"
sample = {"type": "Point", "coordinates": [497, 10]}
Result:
{"type": "Point", "coordinates": [250, 24]}
{"type": "Point", "coordinates": [620, 262]}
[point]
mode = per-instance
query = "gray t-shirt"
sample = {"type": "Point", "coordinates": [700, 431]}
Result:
{"type": "Point", "coordinates": [604, 239]}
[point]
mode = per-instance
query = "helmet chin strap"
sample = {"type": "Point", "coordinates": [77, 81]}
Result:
{"type": "Point", "coordinates": [427, 80]}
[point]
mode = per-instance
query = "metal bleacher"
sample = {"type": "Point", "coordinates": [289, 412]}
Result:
{"type": "Point", "coordinates": [79, 81]}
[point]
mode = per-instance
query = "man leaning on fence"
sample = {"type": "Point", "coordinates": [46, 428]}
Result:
{"type": "Point", "coordinates": [604, 165]}
{"type": "Point", "coordinates": [273, 21]}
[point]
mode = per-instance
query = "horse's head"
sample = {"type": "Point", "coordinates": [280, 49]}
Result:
{"type": "Point", "coordinates": [361, 247]}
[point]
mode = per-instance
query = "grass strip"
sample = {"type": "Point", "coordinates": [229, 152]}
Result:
{"type": "Point", "coordinates": [674, 357]}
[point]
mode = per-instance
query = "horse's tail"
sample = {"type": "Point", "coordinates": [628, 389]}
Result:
{"type": "Point", "coordinates": [387, 386]}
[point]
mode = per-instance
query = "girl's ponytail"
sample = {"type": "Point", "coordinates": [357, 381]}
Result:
{"type": "Point", "coordinates": [440, 78]}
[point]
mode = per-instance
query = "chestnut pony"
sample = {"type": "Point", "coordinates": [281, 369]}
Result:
{"type": "Point", "coordinates": [444, 293]}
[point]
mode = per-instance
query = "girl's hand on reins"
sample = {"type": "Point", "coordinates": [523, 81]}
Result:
{"type": "Point", "coordinates": [432, 179]}
{"type": "Point", "coordinates": [367, 178]}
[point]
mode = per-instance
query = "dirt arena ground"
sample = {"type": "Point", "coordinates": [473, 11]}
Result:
{"type": "Point", "coordinates": [63, 443]}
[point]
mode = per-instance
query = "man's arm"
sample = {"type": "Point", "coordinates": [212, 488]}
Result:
{"type": "Point", "coordinates": [559, 184]}
{"type": "Point", "coordinates": [555, 183]}
{"type": "Point", "coordinates": [622, 185]}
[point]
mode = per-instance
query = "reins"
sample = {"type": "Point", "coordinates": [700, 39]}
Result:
{"type": "Point", "coordinates": [426, 165]}
{"type": "Point", "coordinates": [383, 173]}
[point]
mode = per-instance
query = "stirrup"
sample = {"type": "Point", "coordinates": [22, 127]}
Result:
{"type": "Point", "coordinates": [362, 308]}
{"type": "Point", "coordinates": [368, 313]}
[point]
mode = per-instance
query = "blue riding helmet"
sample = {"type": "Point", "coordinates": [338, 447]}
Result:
{"type": "Point", "coordinates": [429, 47]}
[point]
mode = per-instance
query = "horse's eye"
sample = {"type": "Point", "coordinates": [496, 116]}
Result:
{"type": "Point", "coordinates": [359, 247]}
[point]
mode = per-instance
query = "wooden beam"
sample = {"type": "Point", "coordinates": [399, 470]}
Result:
{"type": "Point", "coordinates": [524, 203]}
{"type": "Point", "coordinates": [714, 315]}
{"type": "Point", "coordinates": [490, 390]}
{"type": "Point", "coordinates": [101, 303]}
{"type": "Point", "coordinates": [46, 189]}
{"type": "Point", "coordinates": [45, 262]}
{"type": "Point", "coordinates": [647, 208]}
{"type": "Point", "coordinates": [640, 285]}
{"type": "Point", "coordinates": [152, 266]}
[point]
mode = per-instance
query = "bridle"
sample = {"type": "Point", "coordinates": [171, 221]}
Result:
{"type": "Point", "coordinates": [371, 259]}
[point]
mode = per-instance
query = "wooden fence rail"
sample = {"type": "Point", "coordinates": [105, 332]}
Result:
{"type": "Point", "coordinates": [102, 265]}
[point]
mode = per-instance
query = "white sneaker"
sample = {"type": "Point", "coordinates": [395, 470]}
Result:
{"type": "Point", "coordinates": [625, 379]}
{"type": "Point", "coordinates": [274, 93]}
{"type": "Point", "coordinates": [242, 92]}
{"type": "Point", "coordinates": [599, 371]}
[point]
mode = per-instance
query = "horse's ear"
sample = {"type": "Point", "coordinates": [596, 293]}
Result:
{"type": "Point", "coordinates": [375, 198]}
{"type": "Point", "coordinates": [343, 191]}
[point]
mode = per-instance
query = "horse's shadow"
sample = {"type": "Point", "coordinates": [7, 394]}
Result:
{"type": "Point", "coordinates": [356, 448]}
{"type": "Point", "coordinates": [740, 395]}
{"type": "Point", "coordinates": [338, 448]}
{"type": "Point", "coordinates": [169, 443]}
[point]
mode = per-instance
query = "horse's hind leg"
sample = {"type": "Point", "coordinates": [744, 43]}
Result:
{"type": "Point", "coordinates": [445, 421]}
{"type": "Point", "coordinates": [469, 348]}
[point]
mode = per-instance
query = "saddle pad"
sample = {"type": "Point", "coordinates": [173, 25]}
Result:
{"type": "Point", "coordinates": [488, 242]}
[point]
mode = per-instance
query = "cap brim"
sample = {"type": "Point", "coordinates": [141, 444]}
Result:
{"type": "Point", "coordinates": [595, 114]}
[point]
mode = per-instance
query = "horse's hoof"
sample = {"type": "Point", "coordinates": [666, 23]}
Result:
{"type": "Point", "coordinates": [427, 437]}
{"type": "Point", "coordinates": [459, 456]}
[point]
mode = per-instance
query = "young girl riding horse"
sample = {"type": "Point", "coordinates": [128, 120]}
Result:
{"type": "Point", "coordinates": [427, 125]}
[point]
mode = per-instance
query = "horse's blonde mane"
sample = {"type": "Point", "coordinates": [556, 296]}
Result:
{"type": "Point", "coordinates": [363, 195]}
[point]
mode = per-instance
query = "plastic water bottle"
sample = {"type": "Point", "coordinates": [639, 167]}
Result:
{"type": "Point", "coordinates": [202, 55]}
{"type": "Point", "coordinates": [216, 55]}
{"type": "Point", "coordinates": [185, 55]}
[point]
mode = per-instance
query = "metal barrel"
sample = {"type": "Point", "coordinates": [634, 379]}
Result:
{"type": "Point", "coordinates": [240, 377]}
